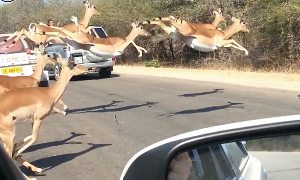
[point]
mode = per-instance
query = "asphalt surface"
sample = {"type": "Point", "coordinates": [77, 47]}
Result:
{"type": "Point", "coordinates": [280, 165]}
{"type": "Point", "coordinates": [88, 144]}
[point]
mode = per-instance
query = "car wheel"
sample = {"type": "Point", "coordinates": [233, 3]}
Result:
{"type": "Point", "coordinates": [104, 73]}
{"type": "Point", "coordinates": [57, 70]}
{"type": "Point", "coordinates": [44, 84]}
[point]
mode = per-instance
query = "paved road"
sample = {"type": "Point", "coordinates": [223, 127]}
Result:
{"type": "Point", "coordinates": [87, 144]}
{"type": "Point", "coordinates": [280, 165]}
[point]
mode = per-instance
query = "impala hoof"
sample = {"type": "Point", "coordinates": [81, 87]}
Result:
{"type": "Point", "coordinates": [64, 113]}
{"type": "Point", "coordinates": [39, 170]}
{"type": "Point", "coordinates": [31, 178]}
{"type": "Point", "coordinates": [246, 53]}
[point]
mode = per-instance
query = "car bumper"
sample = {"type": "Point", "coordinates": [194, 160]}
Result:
{"type": "Point", "coordinates": [92, 67]}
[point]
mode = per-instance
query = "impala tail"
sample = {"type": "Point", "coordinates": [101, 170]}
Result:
{"type": "Point", "coordinates": [74, 19]}
{"type": "Point", "coordinates": [32, 28]}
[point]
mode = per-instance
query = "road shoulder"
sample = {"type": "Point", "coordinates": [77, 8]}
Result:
{"type": "Point", "coordinates": [290, 82]}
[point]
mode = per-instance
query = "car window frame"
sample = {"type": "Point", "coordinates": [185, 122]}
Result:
{"type": "Point", "coordinates": [9, 168]}
{"type": "Point", "coordinates": [98, 27]}
{"type": "Point", "coordinates": [243, 162]}
{"type": "Point", "coordinates": [215, 160]}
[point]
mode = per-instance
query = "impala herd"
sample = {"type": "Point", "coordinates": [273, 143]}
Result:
{"type": "Point", "coordinates": [21, 98]}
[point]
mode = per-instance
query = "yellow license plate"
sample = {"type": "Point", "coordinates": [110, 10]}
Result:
{"type": "Point", "coordinates": [12, 70]}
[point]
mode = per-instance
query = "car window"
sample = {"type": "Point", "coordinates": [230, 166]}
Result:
{"type": "Point", "coordinates": [209, 163]}
{"type": "Point", "coordinates": [100, 32]}
{"type": "Point", "coordinates": [17, 48]}
{"type": "Point", "coordinates": [236, 153]}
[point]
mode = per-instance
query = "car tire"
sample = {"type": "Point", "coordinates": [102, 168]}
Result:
{"type": "Point", "coordinates": [44, 84]}
{"type": "Point", "coordinates": [57, 70]}
{"type": "Point", "coordinates": [104, 73]}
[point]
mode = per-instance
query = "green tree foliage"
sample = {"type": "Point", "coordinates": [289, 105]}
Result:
{"type": "Point", "coordinates": [273, 40]}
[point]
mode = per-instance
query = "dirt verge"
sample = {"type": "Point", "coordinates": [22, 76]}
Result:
{"type": "Point", "coordinates": [263, 80]}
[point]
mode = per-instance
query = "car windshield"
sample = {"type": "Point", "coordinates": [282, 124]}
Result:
{"type": "Point", "coordinates": [17, 48]}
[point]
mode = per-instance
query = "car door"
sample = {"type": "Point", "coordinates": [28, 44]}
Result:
{"type": "Point", "coordinates": [219, 153]}
{"type": "Point", "coordinates": [8, 169]}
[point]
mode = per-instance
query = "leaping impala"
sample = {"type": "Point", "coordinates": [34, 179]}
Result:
{"type": "Point", "coordinates": [106, 47]}
{"type": "Point", "coordinates": [41, 34]}
{"type": "Point", "coordinates": [35, 103]}
{"type": "Point", "coordinates": [8, 83]}
{"type": "Point", "coordinates": [207, 40]}
{"type": "Point", "coordinates": [175, 34]}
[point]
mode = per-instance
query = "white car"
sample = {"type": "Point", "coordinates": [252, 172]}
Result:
{"type": "Point", "coordinates": [218, 153]}
{"type": "Point", "coordinates": [18, 60]}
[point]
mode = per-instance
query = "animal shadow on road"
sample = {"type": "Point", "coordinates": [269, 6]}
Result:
{"type": "Point", "coordinates": [202, 93]}
{"type": "Point", "coordinates": [53, 161]}
{"type": "Point", "coordinates": [87, 77]}
{"type": "Point", "coordinates": [54, 143]}
{"type": "Point", "coordinates": [206, 109]}
{"type": "Point", "coordinates": [103, 108]}
{"type": "Point", "coordinates": [92, 76]}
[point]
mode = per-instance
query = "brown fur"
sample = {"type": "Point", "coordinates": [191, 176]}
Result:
{"type": "Point", "coordinates": [189, 28]}
{"type": "Point", "coordinates": [8, 83]}
{"type": "Point", "coordinates": [35, 103]}
{"type": "Point", "coordinates": [213, 37]}
{"type": "Point", "coordinates": [109, 44]}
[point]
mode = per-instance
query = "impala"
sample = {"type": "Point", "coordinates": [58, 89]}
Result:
{"type": "Point", "coordinates": [8, 83]}
{"type": "Point", "coordinates": [176, 35]}
{"type": "Point", "coordinates": [106, 47]}
{"type": "Point", "coordinates": [207, 40]}
{"type": "Point", "coordinates": [35, 103]}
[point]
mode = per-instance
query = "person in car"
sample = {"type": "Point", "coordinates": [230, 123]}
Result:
{"type": "Point", "coordinates": [51, 23]}
{"type": "Point", "coordinates": [179, 168]}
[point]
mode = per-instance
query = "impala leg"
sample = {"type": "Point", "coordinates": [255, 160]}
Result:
{"type": "Point", "coordinates": [7, 138]}
{"type": "Point", "coordinates": [162, 19]}
{"type": "Point", "coordinates": [63, 104]}
{"type": "Point", "coordinates": [35, 133]}
{"type": "Point", "coordinates": [9, 38]}
{"type": "Point", "coordinates": [21, 143]}
{"type": "Point", "coordinates": [27, 164]}
{"type": "Point", "coordinates": [34, 37]}
{"type": "Point", "coordinates": [164, 27]}
{"type": "Point", "coordinates": [123, 46]}
{"type": "Point", "coordinates": [87, 29]}
{"type": "Point", "coordinates": [59, 111]}
{"type": "Point", "coordinates": [71, 35]}
{"type": "Point", "coordinates": [138, 48]}
{"type": "Point", "coordinates": [228, 43]}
